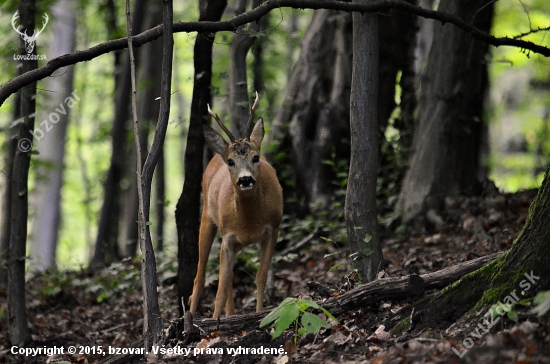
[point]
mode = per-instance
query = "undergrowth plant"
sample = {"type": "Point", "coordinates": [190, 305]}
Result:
{"type": "Point", "coordinates": [293, 311]}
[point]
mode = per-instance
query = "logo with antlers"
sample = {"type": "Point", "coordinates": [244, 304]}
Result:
{"type": "Point", "coordinates": [30, 41]}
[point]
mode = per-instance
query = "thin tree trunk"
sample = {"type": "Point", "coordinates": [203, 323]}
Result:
{"type": "Point", "coordinates": [188, 207]}
{"type": "Point", "coordinates": [160, 195]}
{"type": "Point", "coordinates": [238, 83]}
{"type": "Point", "coordinates": [152, 325]}
{"type": "Point", "coordinates": [360, 208]}
{"type": "Point", "coordinates": [17, 315]}
{"type": "Point", "coordinates": [10, 147]}
{"type": "Point", "coordinates": [148, 109]}
{"type": "Point", "coordinates": [106, 246]}
{"type": "Point", "coordinates": [51, 147]}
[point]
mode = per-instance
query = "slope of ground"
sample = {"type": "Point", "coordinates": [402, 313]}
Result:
{"type": "Point", "coordinates": [100, 312]}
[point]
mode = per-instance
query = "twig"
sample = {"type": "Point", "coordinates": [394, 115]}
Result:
{"type": "Point", "coordinates": [253, 15]}
{"type": "Point", "coordinates": [300, 245]}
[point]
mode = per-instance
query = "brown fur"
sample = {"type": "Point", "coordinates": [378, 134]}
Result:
{"type": "Point", "coordinates": [243, 217]}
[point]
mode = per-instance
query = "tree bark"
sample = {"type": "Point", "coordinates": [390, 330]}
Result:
{"type": "Point", "coordinates": [508, 275]}
{"type": "Point", "coordinates": [313, 118]}
{"type": "Point", "coordinates": [152, 325]}
{"type": "Point", "coordinates": [17, 315]}
{"type": "Point", "coordinates": [188, 208]}
{"type": "Point", "coordinates": [238, 81]}
{"type": "Point", "coordinates": [149, 75]}
{"type": "Point", "coordinates": [51, 147]}
{"type": "Point", "coordinates": [10, 148]}
{"type": "Point", "coordinates": [447, 142]}
{"type": "Point", "coordinates": [362, 296]}
{"type": "Point", "coordinates": [360, 208]}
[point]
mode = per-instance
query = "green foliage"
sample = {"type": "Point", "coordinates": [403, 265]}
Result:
{"type": "Point", "coordinates": [289, 312]}
{"type": "Point", "coordinates": [542, 302]}
{"type": "Point", "coordinates": [55, 285]}
{"type": "Point", "coordinates": [112, 284]}
{"type": "Point", "coordinates": [520, 96]}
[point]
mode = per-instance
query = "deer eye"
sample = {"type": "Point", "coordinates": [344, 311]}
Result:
{"type": "Point", "coordinates": [255, 159]}
{"type": "Point", "coordinates": [231, 163]}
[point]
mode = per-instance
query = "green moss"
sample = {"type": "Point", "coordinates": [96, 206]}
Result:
{"type": "Point", "coordinates": [430, 335]}
{"type": "Point", "coordinates": [401, 327]}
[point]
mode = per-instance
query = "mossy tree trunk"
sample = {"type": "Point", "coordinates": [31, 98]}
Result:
{"type": "Point", "coordinates": [519, 273]}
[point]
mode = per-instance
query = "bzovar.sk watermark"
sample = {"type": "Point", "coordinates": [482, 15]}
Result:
{"type": "Point", "coordinates": [493, 315]}
{"type": "Point", "coordinates": [30, 40]}
{"type": "Point", "coordinates": [48, 123]}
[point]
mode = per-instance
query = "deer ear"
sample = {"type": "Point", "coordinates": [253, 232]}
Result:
{"type": "Point", "coordinates": [257, 134]}
{"type": "Point", "coordinates": [215, 141]}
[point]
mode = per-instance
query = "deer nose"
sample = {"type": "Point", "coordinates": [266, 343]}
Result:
{"type": "Point", "coordinates": [245, 182]}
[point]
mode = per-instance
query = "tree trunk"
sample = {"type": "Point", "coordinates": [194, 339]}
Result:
{"type": "Point", "coordinates": [360, 208]}
{"type": "Point", "coordinates": [17, 315]}
{"type": "Point", "coordinates": [522, 271]}
{"type": "Point", "coordinates": [152, 325]}
{"type": "Point", "coordinates": [106, 246]}
{"type": "Point", "coordinates": [160, 196]}
{"type": "Point", "coordinates": [188, 208]}
{"type": "Point", "coordinates": [448, 139]}
{"type": "Point", "coordinates": [51, 147]}
{"type": "Point", "coordinates": [312, 125]}
{"type": "Point", "coordinates": [238, 83]}
{"type": "Point", "coordinates": [10, 148]}
{"type": "Point", "coordinates": [149, 76]}
{"type": "Point", "coordinates": [313, 118]}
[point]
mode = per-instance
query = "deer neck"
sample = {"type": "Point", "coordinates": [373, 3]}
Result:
{"type": "Point", "coordinates": [247, 203]}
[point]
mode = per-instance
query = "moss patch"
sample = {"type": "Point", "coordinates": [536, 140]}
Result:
{"type": "Point", "coordinates": [401, 327]}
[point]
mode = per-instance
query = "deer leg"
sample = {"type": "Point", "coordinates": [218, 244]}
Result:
{"type": "Point", "coordinates": [227, 261]}
{"type": "Point", "coordinates": [267, 246]}
{"type": "Point", "coordinates": [206, 238]}
{"type": "Point", "coordinates": [230, 303]}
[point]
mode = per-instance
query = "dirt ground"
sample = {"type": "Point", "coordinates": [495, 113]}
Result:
{"type": "Point", "coordinates": [101, 312]}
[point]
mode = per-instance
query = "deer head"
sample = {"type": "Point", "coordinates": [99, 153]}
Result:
{"type": "Point", "coordinates": [242, 156]}
{"type": "Point", "coordinates": [30, 41]}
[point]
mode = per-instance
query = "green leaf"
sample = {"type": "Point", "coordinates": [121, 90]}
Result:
{"type": "Point", "coordinates": [367, 238]}
{"type": "Point", "coordinates": [276, 313]}
{"type": "Point", "coordinates": [305, 304]}
{"type": "Point", "coordinates": [328, 314]}
{"type": "Point", "coordinates": [331, 254]}
{"type": "Point", "coordinates": [287, 316]}
{"type": "Point", "coordinates": [542, 301]}
{"type": "Point", "coordinates": [338, 265]}
{"type": "Point", "coordinates": [512, 315]}
{"type": "Point", "coordinates": [367, 252]}
{"type": "Point", "coordinates": [312, 323]}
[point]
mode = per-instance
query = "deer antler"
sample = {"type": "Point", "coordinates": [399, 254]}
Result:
{"type": "Point", "coordinates": [250, 123]}
{"type": "Point", "coordinates": [217, 118]}
{"type": "Point", "coordinates": [13, 19]}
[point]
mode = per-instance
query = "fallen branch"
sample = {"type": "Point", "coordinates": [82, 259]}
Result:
{"type": "Point", "coordinates": [300, 245]}
{"type": "Point", "coordinates": [254, 15]}
{"type": "Point", "coordinates": [364, 295]}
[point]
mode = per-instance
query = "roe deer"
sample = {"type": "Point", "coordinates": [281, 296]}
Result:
{"type": "Point", "coordinates": [243, 198]}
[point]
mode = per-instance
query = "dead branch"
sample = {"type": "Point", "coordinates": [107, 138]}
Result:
{"type": "Point", "coordinates": [364, 295]}
{"type": "Point", "coordinates": [300, 245]}
{"type": "Point", "coordinates": [254, 15]}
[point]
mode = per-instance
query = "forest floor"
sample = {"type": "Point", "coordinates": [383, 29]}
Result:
{"type": "Point", "coordinates": [104, 309]}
